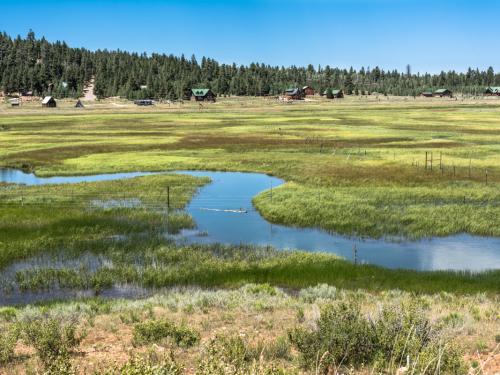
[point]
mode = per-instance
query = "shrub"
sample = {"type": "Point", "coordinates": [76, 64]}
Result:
{"type": "Point", "coordinates": [8, 314]}
{"type": "Point", "coordinates": [151, 365]}
{"type": "Point", "coordinates": [154, 331]}
{"type": "Point", "coordinates": [8, 341]}
{"type": "Point", "coordinates": [230, 355]}
{"type": "Point", "coordinates": [321, 291]}
{"type": "Point", "coordinates": [400, 335]}
{"type": "Point", "coordinates": [278, 349]}
{"type": "Point", "coordinates": [343, 337]}
{"type": "Point", "coordinates": [53, 340]}
{"type": "Point", "coordinates": [261, 289]}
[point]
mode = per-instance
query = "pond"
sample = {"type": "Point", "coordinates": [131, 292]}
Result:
{"type": "Point", "coordinates": [224, 213]}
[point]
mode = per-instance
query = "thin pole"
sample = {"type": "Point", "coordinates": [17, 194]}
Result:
{"type": "Point", "coordinates": [168, 198]}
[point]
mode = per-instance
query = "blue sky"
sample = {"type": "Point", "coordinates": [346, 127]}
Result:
{"type": "Point", "coordinates": [430, 35]}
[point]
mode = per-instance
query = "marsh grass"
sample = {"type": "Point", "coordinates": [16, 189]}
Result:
{"type": "Point", "coordinates": [361, 156]}
{"type": "Point", "coordinates": [49, 219]}
{"type": "Point", "coordinates": [157, 265]}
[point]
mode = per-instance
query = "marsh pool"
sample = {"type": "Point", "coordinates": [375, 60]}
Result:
{"type": "Point", "coordinates": [224, 213]}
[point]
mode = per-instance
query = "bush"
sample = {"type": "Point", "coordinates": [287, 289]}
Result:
{"type": "Point", "coordinates": [400, 335]}
{"type": "Point", "coordinates": [8, 341]}
{"type": "Point", "coordinates": [53, 340]}
{"type": "Point", "coordinates": [226, 355]}
{"type": "Point", "coordinates": [152, 366]}
{"type": "Point", "coordinates": [8, 314]}
{"type": "Point", "coordinates": [154, 331]}
{"type": "Point", "coordinates": [343, 337]}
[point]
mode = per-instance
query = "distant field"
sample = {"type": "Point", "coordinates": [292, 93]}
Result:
{"type": "Point", "coordinates": [354, 166]}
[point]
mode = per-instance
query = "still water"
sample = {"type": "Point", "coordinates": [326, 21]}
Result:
{"type": "Point", "coordinates": [224, 213]}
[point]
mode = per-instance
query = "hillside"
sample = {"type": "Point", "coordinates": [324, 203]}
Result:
{"type": "Point", "coordinates": [31, 64]}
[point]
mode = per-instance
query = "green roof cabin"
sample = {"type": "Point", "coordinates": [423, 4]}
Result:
{"type": "Point", "coordinates": [492, 91]}
{"type": "Point", "coordinates": [443, 93]}
{"type": "Point", "coordinates": [336, 94]}
{"type": "Point", "coordinates": [202, 95]}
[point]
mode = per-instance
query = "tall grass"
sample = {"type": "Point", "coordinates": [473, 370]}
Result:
{"type": "Point", "coordinates": [161, 265]}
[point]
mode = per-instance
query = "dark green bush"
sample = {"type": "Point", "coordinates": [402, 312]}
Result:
{"type": "Point", "coordinates": [343, 337]}
{"type": "Point", "coordinates": [154, 331]}
{"type": "Point", "coordinates": [399, 336]}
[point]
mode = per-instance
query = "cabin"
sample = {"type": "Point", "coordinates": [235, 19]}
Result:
{"type": "Point", "coordinates": [49, 102]}
{"type": "Point", "coordinates": [202, 95]}
{"type": "Point", "coordinates": [427, 94]}
{"type": "Point", "coordinates": [143, 102]}
{"type": "Point", "coordinates": [79, 104]}
{"type": "Point", "coordinates": [295, 94]}
{"type": "Point", "coordinates": [443, 93]}
{"type": "Point", "coordinates": [492, 91]}
{"type": "Point", "coordinates": [336, 94]}
{"type": "Point", "coordinates": [308, 91]}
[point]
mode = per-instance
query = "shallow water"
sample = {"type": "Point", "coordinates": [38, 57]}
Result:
{"type": "Point", "coordinates": [224, 213]}
{"type": "Point", "coordinates": [15, 176]}
{"type": "Point", "coordinates": [234, 191]}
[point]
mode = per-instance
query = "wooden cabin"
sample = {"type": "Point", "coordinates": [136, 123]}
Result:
{"type": "Point", "coordinates": [492, 91]}
{"type": "Point", "coordinates": [49, 102]}
{"type": "Point", "coordinates": [441, 93]}
{"type": "Point", "coordinates": [202, 95]}
{"type": "Point", "coordinates": [308, 91]}
{"type": "Point", "coordinates": [295, 93]}
{"type": "Point", "coordinates": [336, 94]}
{"type": "Point", "coordinates": [427, 94]}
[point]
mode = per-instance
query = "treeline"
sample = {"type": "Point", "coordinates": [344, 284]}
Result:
{"type": "Point", "coordinates": [31, 64]}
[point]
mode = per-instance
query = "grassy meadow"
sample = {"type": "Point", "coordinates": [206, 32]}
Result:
{"type": "Point", "coordinates": [354, 167]}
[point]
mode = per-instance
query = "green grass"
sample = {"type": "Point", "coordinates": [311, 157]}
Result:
{"type": "Point", "coordinates": [365, 158]}
{"type": "Point", "coordinates": [351, 169]}
{"type": "Point", "coordinates": [86, 216]}
{"type": "Point", "coordinates": [155, 264]}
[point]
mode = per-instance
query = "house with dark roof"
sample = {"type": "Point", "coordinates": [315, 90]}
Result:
{"type": "Point", "coordinates": [443, 93]}
{"type": "Point", "coordinates": [492, 91]}
{"type": "Point", "coordinates": [203, 95]}
{"type": "Point", "coordinates": [143, 102]}
{"type": "Point", "coordinates": [427, 94]}
{"type": "Point", "coordinates": [336, 94]}
{"type": "Point", "coordinates": [295, 93]}
{"type": "Point", "coordinates": [49, 102]}
{"type": "Point", "coordinates": [308, 91]}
